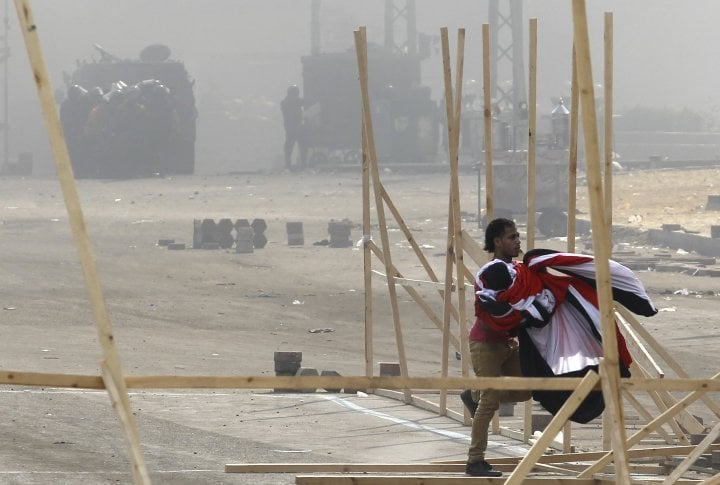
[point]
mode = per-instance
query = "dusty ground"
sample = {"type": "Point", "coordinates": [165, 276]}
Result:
{"type": "Point", "coordinates": [219, 312]}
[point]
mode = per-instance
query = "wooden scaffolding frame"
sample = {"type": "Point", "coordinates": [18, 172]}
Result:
{"type": "Point", "coordinates": [565, 468]}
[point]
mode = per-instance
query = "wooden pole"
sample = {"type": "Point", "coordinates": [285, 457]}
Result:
{"type": "Point", "coordinates": [113, 374]}
{"type": "Point", "coordinates": [487, 114]}
{"type": "Point", "coordinates": [553, 428]}
{"type": "Point", "coordinates": [361, 50]}
{"type": "Point", "coordinates": [39, 379]}
{"type": "Point", "coordinates": [610, 364]}
{"type": "Point", "coordinates": [573, 156]}
{"type": "Point", "coordinates": [455, 202]}
{"type": "Point", "coordinates": [367, 256]}
{"type": "Point", "coordinates": [608, 126]}
{"type": "Point", "coordinates": [450, 248]}
{"type": "Point", "coordinates": [645, 431]}
{"type": "Point", "coordinates": [693, 456]}
{"type": "Point", "coordinates": [532, 136]}
{"type": "Point", "coordinates": [454, 251]}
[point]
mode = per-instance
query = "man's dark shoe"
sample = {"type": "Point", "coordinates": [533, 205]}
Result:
{"type": "Point", "coordinates": [481, 469]}
{"type": "Point", "coordinates": [466, 397]}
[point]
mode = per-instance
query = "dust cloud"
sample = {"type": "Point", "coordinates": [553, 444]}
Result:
{"type": "Point", "coordinates": [244, 54]}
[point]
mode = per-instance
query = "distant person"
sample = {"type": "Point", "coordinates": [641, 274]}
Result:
{"type": "Point", "coordinates": [292, 111]}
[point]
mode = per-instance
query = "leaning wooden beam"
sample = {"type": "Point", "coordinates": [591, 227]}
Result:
{"type": "Point", "coordinates": [611, 376]}
{"type": "Point", "coordinates": [647, 416]}
{"type": "Point", "coordinates": [452, 123]}
{"type": "Point", "coordinates": [662, 405]}
{"type": "Point", "coordinates": [413, 282]}
{"type": "Point", "coordinates": [532, 136]}
{"type": "Point", "coordinates": [646, 430]}
{"type": "Point", "coordinates": [416, 297]}
{"type": "Point", "coordinates": [694, 455]}
{"type": "Point", "coordinates": [361, 50]}
{"type": "Point", "coordinates": [674, 365]}
{"type": "Point", "coordinates": [553, 428]}
{"type": "Point", "coordinates": [111, 363]}
{"type": "Point", "coordinates": [411, 239]}
{"type": "Point", "coordinates": [636, 346]}
{"type": "Point", "coordinates": [714, 480]}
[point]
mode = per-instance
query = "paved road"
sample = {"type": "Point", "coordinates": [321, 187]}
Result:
{"type": "Point", "coordinates": [73, 436]}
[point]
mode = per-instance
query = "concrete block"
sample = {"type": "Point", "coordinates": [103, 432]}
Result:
{"type": "Point", "coordinates": [540, 421]}
{"type": "Point", "coordinates": [197, 233]}
{"type": "Point", "coordinates": [223, 234]}
{"type": "Point", "coordinates": [715, 460]}
{"type": "Point", "coordinates": [244, 239]}
{"type": "Point", "coordinates": [287, 356]}
{"type": "Point", "coordinates": [330, 373]}
{"type": "Point", "coordinates": [389, 369]}
{"type": "Point", "coordinates": [507, 409]}
{"type": "Point", "coordinates": [340, 233]}
{"type": "Point", "coordinates": [713, 202]}
{"type": "Point", "coordinates": [176, 246]}
{"type": "Point", "coordinates": [287, 367]}
{"type": "Point", "coordinates": [295, 233]}
{"type": "Point", "coordinates": [695, 439]}
{"type": "Point", "coordinates": [307, 371]}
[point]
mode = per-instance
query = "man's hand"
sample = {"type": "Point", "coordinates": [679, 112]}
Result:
{"type": "Point", "coordinates": [492, 306]}
{"type": "Point", "coordinates": [531, 320]}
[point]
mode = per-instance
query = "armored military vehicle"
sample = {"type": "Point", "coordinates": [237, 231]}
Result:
{"type": "Point", "coordinates": [130, 118]}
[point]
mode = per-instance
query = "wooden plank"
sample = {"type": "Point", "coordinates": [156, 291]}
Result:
{"type": "Point", "coordinates": [662, 406]}
{"type": "Point", "coordinates": [714, 480]}
{"type": "Point", "coordinates": [361, 51]}
{"type": "Point", "coordinates": [646, 430]}
{"type": "Point", "coordinates": [452, 107]}
{"type": "Point", "coordinates": [694, 455]}
{"type": "Point", "coordinates": [455, 203]}
{"type": "Point", "coordinates": [417, 298]}
{"type": "Point", "coordinates": [607, 119]}
{"type": "Point", "coordinates": [553, 428]}
{"type": "Point", "coordinates": [113, 374]}
{"type": "Point", "coordinates": [532, 135]}
{"type": "Point", "coordinates": [601, 241]}
{"type": "Point", "coordinates": [636, 346]}
{"type": "Point", "coordinates": [474, 250]}
{"type": "Point", "coordinates": [436, 480]}
{"type": "Point", "coordinates": [344, 468]}
{"type": "Point", "coordinates": [367, 257]}
{"type": "Point", "coordinates": [587, 456]}
{"type": "Point", "coordinates": [487, 117]}
{"type": "Point", "coordinates": [413, 282]}
{"type": "Point", "coordinates": [360, 382]}
{"type": "Point", "coordinates": [573, 156]}
{"type": "Point", "coordinates": [126, 419]}
{"type": "Point", "coordinates": [647, 416]}
{"type": "Point", "coordinates": [674, 365]}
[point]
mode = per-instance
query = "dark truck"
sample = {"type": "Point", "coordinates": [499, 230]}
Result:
{"type": "Point", "coordinates": [130, 118]}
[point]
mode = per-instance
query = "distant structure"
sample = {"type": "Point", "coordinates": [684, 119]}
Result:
{"type": "Point", "coordinates": [130, 118]}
